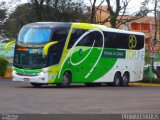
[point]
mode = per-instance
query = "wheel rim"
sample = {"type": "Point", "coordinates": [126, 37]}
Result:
{"type": "Point", "coordinates": [125, 80]}
{"type": "Point", "coordinates": [117, 81]}
{"type": "Point", "coordinates": [65, 79]}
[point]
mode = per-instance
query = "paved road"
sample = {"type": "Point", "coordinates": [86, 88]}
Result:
{"type": "Point", "coordinates": [22, 98]}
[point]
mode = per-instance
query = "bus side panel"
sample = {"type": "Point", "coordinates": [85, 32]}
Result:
{"type": "Point", "coordinates": [82, 67]}
{"type": "Point", "coordinates": [132, 63]}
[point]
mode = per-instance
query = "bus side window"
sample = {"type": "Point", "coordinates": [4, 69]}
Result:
{"type": "Point", "coordinates": [98, 39]}
{"type": "Point", "coordinates": [55, 51]}
{"type": "Point", "coordinates": [120, 40]}
{"type": "Point", "coordinates": [111, 40]}
{"type": "Point", "coordinates": [89, 39]}
{"type": "Point", "coordinates": [76, 33]}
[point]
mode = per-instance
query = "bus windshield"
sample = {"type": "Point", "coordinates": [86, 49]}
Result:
{"type": "Point", "coordinates": [31, 42]}
{"type": "Point", "coordinates": [34, 35]}
{"type": "Point", "coordinates": [29, 58]}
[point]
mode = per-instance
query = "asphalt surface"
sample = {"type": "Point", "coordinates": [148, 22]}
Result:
{"type": "Point", "coordinates": [18, 97]}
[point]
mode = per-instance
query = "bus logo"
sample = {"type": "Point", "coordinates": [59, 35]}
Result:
{"type": "Point", "coordinates": [80, 51]}
{"type": "Point", "coordinates": [132, 42]}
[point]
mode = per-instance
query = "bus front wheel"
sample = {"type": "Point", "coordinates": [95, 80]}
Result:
{"type": "Point", "coordinates": [36, 85]}
{"type": "Point", "coordinates": [117, 80]}
{"type": "Point", "coordinates": [66, 80]}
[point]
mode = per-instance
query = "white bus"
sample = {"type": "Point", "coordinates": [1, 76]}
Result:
{"type": "Point", "coordinates": [65, 53]}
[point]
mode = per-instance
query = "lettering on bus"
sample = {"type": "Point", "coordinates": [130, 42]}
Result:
{"type": "Point", "coordinates": [22, 49]}
{"type": "Point", "coordinates": [130, 54]}
{"type": "Point", "coordinates": [114, 53]}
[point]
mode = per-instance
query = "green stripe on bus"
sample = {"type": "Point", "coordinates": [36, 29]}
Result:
{"type": "Point", "coordinates": [23, 71]}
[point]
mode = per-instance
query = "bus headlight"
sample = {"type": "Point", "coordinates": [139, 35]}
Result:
{"type": "Point", "coordinates": [41, 73]}
{"type": "Point", "coordinates": [45, 70]}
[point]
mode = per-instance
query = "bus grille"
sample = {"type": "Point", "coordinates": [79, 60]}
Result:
{"type": "Point", "coordinates": [21, 74]}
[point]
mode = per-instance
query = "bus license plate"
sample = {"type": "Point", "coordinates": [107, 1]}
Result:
{"type": "Point", "coordinates": [26, 79]}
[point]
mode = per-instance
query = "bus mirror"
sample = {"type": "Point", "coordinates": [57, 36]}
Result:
{"type": "Point", "coordinates": [8, 44]}
{"type": "Point", "coordinates": [47, 46]}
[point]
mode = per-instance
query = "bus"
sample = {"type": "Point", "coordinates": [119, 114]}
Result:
{"type": "Point", "coordinates": [64, 53]}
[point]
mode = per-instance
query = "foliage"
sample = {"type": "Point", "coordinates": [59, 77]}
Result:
{"type": "Point", "coordinates": [3, 66]}
{"type": "Point", "coordinates": [147, 58]}
{"type": "Point", "coordinates": [2, 11]}
{"type": "Point", "coordinates": [116, 12]}
{"type": "Point", "coordinates": [93, 9]}
{"type": "Point", "coordinates": [148, 61]}
{"type": "Point", "coordinates": [45, 10]}
{"type": "Point", "coordinates": [71, 11]}
{"type": "Point", "coordinates": [60, 10]}
{"type": "Point", "coordinates": [22, 15]}
{"type": "Point", "coordinates": [2, 16]}
{"type": "Point", "coordinates": [121, 6]}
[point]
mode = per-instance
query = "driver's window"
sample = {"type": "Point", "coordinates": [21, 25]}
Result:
{"type": "Point", "coordinates": [55, 51]}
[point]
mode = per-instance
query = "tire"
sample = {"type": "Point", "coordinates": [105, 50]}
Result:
{"type": "Point", "coordinates": [125, 80]}
{"type": "Point", "coordinates": [117, 80]}
{"type": "Point", "coordinates": [36, 85]}
{"type": "Point", "coordinates": [66, 80]}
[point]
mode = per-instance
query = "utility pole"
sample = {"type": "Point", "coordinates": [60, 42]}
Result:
{"type": "Point", "coordinates": [155, 33]}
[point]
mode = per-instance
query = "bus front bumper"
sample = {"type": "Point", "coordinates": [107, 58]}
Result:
{"type": "Point", "coordinates": [39, 78]}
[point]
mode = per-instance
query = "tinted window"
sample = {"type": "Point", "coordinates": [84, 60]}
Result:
{"type": "Point", "coordinates": [88, 40]}
{"type": "Point", "coordinates": [60, 34]}
{"type": "Point", "coordinates": [76, 33]}
{"type": "Point", "coordinates": [29, 58]}
{"type": "Point", "coordinates": [123, 41]}
{"type": "Point", "coordinates": [55, 51]}
{"type": "Point", "coordinates": [92, 37]}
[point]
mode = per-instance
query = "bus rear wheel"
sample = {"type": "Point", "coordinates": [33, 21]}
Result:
{"type": "Point", "coordinates": [117, 80]}
{"type": "Point", "coordinates": [66, 80]}
{"type": "Point", "coordinates": [37, 85]}
{"type": "Point", "coordinates": [125, 80]}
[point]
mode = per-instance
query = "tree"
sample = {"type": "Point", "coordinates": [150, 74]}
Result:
{"type": "Point", "coordinates": [156, 19]}
{"type": "Point", "coordinates": [38, 6]}
{"type": "Point", "coordinates": [59, 10]}
{"type": "Point", "coordinates": [3, 66]}
{"type": "Point", "coordinates": [2, 16]}
{"type": "Point", "coordinates": [70, 11]}
{"type": "Point", "coordinates": [2, 11]}
{"type": "Point", "coordinates": [22, 15]}
{"type": "Point", "coordinates": [118, 11]}
{"type": "Point", "coordinates": [93, 10]}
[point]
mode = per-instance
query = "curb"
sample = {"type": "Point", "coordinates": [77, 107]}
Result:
{"type": "Point", "coordinates": [145, 84]}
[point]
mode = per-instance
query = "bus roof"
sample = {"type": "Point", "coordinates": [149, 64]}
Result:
{"type": "Point", "coordinates": [119, 30]}
{"type": "Point", "coordinates": [68, 24]}
{"type": "Point", "coordinates": [48, 24]}
{"type": "Point", "coordinates": [105, 28]}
